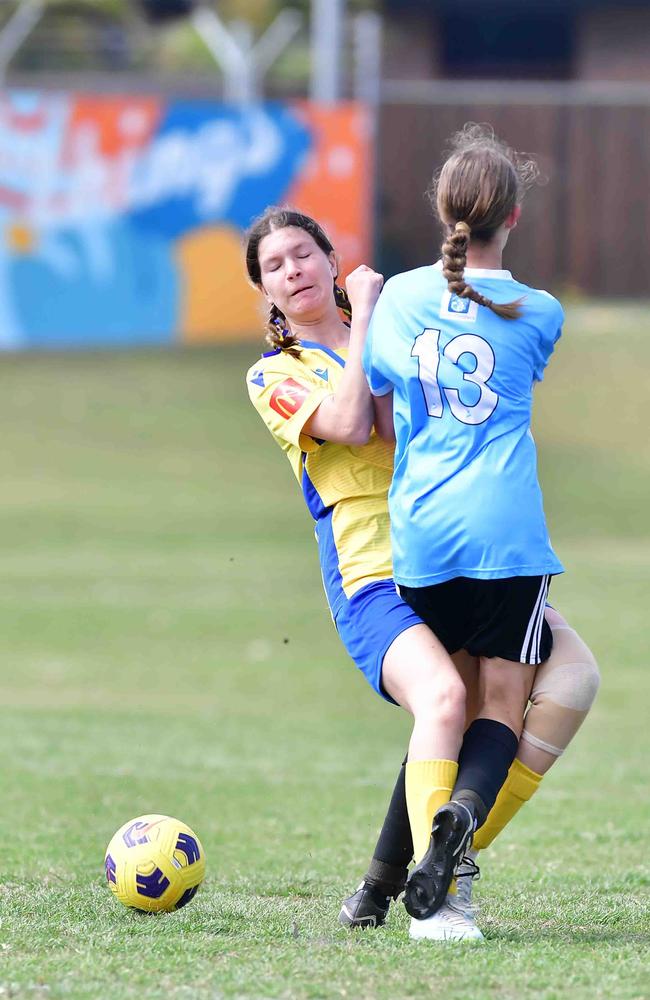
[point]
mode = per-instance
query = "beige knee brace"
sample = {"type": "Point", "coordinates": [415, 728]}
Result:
{"type": "Point", "coordinates": [563, 692]}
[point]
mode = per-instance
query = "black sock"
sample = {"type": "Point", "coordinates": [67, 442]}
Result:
{"type": "Point", "coordinates": [394, 850]}
{"type": "Point", "coordinates": [488, 750]}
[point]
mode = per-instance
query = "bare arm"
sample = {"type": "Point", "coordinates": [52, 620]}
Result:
{"type": "Point", "coordinates": [383, 406]}
{"type": "Point", "coordinates": [347, 416]}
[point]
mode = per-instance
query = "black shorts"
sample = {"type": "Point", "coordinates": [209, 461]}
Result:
{"type": "Point", "coordinates": [487, 617]}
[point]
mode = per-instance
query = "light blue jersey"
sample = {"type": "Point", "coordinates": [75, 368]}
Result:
{"type": "Point", "coordinates": [464, 500]}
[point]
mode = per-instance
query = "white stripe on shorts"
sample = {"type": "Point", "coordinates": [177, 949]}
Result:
{"type": "Point", "coordinates": [541, 620]}
{"type": "Point", "coordinates": [532, 639]}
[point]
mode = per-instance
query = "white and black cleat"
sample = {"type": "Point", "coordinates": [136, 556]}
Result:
{"type": "Point", "coordinates": [452, 922]}
{"type": "Point", "coordinates": [367, 907]}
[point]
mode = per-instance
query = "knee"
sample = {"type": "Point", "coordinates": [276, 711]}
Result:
{"type": "Point", "coordinates": [444, 704]}
{"type": "Point", "coordinates": [563, 692]}
{"type": "Point", "coordinates": [452, 702]}
{"type": "Point", "coordinates": [590, 681]}
{"type": "Point", "coordinates": [570, 683]}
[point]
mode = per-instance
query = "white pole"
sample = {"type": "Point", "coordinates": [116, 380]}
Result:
{"type": "Point", "coordinates": [367, 90]}
{"type": "Point", "coordinates": [244, 62]}
{"type": "Point", "coordinates": [277, 37]}
{"type": "Point", "coordinates": [16, 30]}
{"type": "Point", "coordinates": [367, 58]}
{"type": "Point", "coordinates": [225, 51]}
{"type": "Point", "coordinates": [326, 49]}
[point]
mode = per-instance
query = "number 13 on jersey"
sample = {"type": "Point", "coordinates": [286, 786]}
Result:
{"type": "Point", "coordinates": [426, 349]}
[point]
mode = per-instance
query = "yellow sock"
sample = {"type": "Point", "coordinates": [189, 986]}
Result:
{"type": "Point", "coordinates": [520, 786]}
{"type": "Point", "coordinates": [428, 786]}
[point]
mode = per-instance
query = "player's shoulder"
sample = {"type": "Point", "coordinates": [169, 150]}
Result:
{"type": "Point", "coordinates": [272, 363]}
{"type": "Point", "coordinates": [539, 302]}
{"type": "Point", "coordinates": [419, 280]}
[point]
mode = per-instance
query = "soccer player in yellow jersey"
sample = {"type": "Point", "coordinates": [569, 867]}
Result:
{"type": "Point", "coordinates": [311, 392]}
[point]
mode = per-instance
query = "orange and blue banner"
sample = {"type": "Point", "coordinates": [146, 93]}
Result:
{"type": "Point", "coordinates": [122, 217]}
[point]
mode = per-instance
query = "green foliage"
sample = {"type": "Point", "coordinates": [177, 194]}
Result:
{"type": "Point", "coordinates": [262, 12]}
{"type": "Point", "coordinates": [96, 35]}
{"type": "Point", "coordinates": [166, 647]}
{"type": "Point", "coordinates": [79, 35]}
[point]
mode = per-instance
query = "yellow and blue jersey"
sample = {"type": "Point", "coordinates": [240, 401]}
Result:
{"type": "Point", "coordinates": [345, 486]}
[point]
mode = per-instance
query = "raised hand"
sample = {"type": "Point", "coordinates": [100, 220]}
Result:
{"type": "Point", "coordinates": [363, 286]}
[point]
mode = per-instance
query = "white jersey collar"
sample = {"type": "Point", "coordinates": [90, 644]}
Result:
{"type": "Point", "coordinates": [481, 272]}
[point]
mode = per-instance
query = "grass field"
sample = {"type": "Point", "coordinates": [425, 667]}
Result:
{"type": "Point", "coordinates": [165, 647]}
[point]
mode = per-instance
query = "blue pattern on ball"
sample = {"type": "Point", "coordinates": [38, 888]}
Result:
{"type": "Point", "coordinates": [109, 865]}
{"type": "Point", "coordinates": [152, 885]}
{"type": "Point", "coordinates": [129, 836]}
{"type": "Point", "coordinates": [187, 896]}
{"type": "Point", "coordinates": [188, 845]}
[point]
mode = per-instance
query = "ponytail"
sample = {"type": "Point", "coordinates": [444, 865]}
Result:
{"type": "Point", "coordinates": [454, 262]}
{"type": "Point", "coordinates": [278, 334]}
{"type": "Point", "coordinates": [342, 301]}
{"type": "Point", "coordinates": [478, 187]}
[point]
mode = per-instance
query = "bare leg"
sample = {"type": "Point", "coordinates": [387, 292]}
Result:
{"type": "Point", "coordinates": [545, 724]}
{"type": "Point", "coordinates": [562, 694]}
{"type": "Point", "coordinates": [504, 688]}
{"type": "Point", "coordinates": [421, 676]}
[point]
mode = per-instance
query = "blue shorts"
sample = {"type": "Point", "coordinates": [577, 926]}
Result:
{"type": "Point", "coordinates": [368, 623]}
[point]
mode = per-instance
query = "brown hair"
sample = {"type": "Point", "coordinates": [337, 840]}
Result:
{"type": "Point", "coordinates": [480, 184]}
{"type": "Point", "coordinates": [278, 333]}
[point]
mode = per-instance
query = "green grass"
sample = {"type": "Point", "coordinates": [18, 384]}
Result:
{"type": "Point", "coordinates": [165, 647]}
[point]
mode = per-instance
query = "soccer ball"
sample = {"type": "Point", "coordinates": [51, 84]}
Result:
{"type": "Point", "coordinates": [154, 863]}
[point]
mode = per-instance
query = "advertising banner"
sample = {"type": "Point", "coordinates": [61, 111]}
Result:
{"type": "Point", "coordinates": [123, 217]}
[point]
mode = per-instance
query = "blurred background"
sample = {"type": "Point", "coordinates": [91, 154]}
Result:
{"type": "Point", "coordinates": [164, 638]}
{"type": "Point", "coordinates": [139, 137]}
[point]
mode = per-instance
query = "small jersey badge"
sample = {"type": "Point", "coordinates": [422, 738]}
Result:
{"type": "Point", "coordinates": [454, 308]}
{"type": "Point", "coordinates": [287, 398]}
{"type": "Point", "coordinates": [322, 373]}
{"type": "Point", "coordinates": [257, 378]}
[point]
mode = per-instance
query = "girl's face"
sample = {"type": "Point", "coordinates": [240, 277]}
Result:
{"type": "Point", "coordinates": [297, 276]}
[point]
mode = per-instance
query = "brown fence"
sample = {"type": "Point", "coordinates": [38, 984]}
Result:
{"type": "Point", "coordinates": [587, 228]}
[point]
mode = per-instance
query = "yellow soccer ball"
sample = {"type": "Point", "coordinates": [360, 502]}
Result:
{"type": "Point", "coordinates": [154, 863]}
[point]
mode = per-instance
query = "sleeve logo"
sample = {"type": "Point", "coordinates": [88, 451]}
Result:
{"type": "Point", "coordinates": [287, 398]}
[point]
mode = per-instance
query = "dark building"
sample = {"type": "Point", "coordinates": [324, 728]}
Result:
{"type": "Point", "coordinates": [519, 39]}
{"type": "Point", "coordinates": [565, 80]}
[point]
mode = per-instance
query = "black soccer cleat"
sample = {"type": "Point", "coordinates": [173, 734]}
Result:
{"type": "Point", "coordinates": [367, 907]}
{"type": "Point", "coordinates": [428, 883]}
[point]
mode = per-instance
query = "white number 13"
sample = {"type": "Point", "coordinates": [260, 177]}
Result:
{"type": "Point", "coordinates": [426, 349]}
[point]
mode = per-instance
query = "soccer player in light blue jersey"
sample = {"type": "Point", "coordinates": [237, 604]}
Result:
{"type": "Point", "coordinates": [454, 349]}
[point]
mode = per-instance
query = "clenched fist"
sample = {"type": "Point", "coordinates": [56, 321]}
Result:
{"type": "Point", "coordinates": [363, 286]}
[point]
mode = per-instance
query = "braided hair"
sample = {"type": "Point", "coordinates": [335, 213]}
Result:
{"type": "Point", "coordinates": [479, 186]}
{"type": "Point", "coordinates": [278, 333]}
{"type": "Point", "coordinates": [454, 260]}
